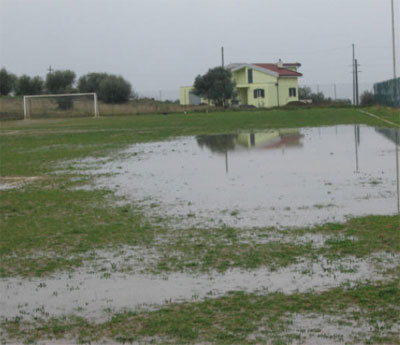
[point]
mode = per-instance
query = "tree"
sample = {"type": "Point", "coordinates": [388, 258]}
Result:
{"type": "Point", "coordinates": [317, 97]}
{"type": "Point", "coordinates": [7, 82]}
{"type": "Point", "coordinates": [61, 82]}
{"type": "Point", "coordinates": [114, 89]}
{"type": "Point", "coordinates": [368, 98]}
{"type": "Point", "coordinates": [29, 86]}
{"type": "Point", "coordinates": [305, 92]}
{"type": "Point", "coordinates": [91, 82]}
{"type": "Point", "coordinates": [109, 87]}
{"type": "Point", "coordinates": [216, 85]}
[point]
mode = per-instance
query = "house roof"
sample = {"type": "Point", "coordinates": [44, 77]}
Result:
{"type": "Point", "coordinates": [270, 68]}
{"type": "Point", "coordinates": [283, 72]}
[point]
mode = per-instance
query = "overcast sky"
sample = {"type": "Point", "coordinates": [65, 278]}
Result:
{"type": "Point", "coordinates": [164, 44]}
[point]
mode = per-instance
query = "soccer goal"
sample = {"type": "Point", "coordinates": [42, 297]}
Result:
{"type": "Point", "coordinates": [66, 104]}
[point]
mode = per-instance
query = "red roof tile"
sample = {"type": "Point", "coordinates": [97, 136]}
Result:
{"type": "Point", "coordinates": [283, 72]}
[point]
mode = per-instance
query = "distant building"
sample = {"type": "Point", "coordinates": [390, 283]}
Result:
{"type": "Point", "coordinates": [262, 85]}
{"type": "Point", "coordinates": [388, 92]}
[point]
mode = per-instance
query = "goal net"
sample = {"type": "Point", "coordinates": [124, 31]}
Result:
{"type": "Point", "coordinates": [61, 105]}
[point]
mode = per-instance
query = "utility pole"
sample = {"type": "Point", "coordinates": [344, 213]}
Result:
{"type": "Point", "coordinates": [393, 43]}
{"type": "Point", "coordinates": [357, 143]}
{"type": "Point", "coordinates": [395, 91]}
{"type": "Point", "coordinates": [356, 73]}
{"type": "Point", "coordinates": [50, 69]}
{"type": "Point", "coordinates": [397, 171]}
{"type": "Point", "coordinates": [354, 79]}
{"type": "Point", "coordinates": [223, 66]}
{"type": "Point", "coordinates": [334, 90]}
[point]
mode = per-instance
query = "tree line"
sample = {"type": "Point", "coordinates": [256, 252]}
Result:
{"type": "Point", "coordinates": [110, 88]}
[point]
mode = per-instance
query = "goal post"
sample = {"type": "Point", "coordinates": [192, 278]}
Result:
{"type": "Point", "coordinates": [27, 108]}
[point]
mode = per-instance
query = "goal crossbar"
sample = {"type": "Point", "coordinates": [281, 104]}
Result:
{"type": "Point", "coordinates": [95, 104]}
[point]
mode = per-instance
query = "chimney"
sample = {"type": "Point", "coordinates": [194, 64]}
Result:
{"type": "Point", "coordinates": [280, 63]}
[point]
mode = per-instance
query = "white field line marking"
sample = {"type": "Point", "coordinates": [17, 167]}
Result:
{"type": "Point", "coordinates": [379, 118]}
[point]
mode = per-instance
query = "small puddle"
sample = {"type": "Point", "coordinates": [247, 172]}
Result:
{"type": "Point", "coordinates": [277, 177]}
{"type": "Point", "coordinates": [91, 295]}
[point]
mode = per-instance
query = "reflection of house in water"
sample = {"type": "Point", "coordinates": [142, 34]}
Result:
{"type": "Point", "coordinates": [274, 138]}
{"type": "Point", "coordinates": [270, 139]}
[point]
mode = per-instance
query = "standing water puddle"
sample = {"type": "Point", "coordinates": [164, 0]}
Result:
{"type": "Point", "coordinates": [89, 295]}
{"type": "Point", "coordinates": [277, 177]}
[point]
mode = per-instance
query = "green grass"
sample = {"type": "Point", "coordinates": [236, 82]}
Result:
{"type": "Point", "coordinates": [387, 113]}
{"type": "Point", "coordinates": [233, 318]}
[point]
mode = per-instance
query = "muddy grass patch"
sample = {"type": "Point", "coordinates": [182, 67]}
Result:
{"type": "Point", "coordinates": [10, 182]}
{"type": "Point", "coordinates": [239, 318]}
{"type": "Point", "coordinates": [51, 226]}
{"type": "Point", "coordinates": [98, 294]}
{"type": "Point", "coordinates": [202, 250]}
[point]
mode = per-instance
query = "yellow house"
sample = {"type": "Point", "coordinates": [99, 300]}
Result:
{"type": "Point", "coordinates": [262, 85]}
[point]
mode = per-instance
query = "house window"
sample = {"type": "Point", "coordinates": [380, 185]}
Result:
{"type": "Point", "coordinates": [250, 75]}
{"type": "Point", "coordinates": [259, 93]}
{"type": "Point", "coordinates": [292, 92]}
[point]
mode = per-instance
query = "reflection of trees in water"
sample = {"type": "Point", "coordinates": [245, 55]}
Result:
{"type": "Point", "coordinates": [392, 134]}
{"type": "Point", "coordinates": [217, 143]}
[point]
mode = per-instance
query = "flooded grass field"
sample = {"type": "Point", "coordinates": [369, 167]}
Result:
{"type": "Point", "coordinates": [277, 177]}
{"type": "Point", "coordinates": [254, 236]}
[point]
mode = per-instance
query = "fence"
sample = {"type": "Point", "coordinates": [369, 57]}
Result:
{"type": "Point", "coordinates": [388, 92]}
{"type": "Point", "coordinates": [11, 108]}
